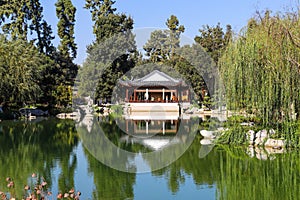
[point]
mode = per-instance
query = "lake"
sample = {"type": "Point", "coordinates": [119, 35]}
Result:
{"type": "Point", "coordinates": [67, 155]}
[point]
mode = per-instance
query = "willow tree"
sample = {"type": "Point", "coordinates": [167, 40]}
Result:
{"type": "Point", "coordinates": [20, 70]}
{"type": "Point", "coordinates": [261, 68]}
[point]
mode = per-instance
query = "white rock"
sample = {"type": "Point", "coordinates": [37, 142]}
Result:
{"type": "Point", "coordinates": [206, 142]}
{"type": "Point", "coordinates": [264, 134]}
{"type": "Point", "coordinates": [208, 134]}
{"type": "Point", "coordinates": [250, 151]}
{"type": "Point", "coordinates": [221, 129]}
{"type": "Point", "coordinates": [271, 150]}
{"type": "Point", "coordinates": [258, 141]}
{"type": "Point", "coordinates": [247, 124]}
{"type": "Point", "coordinates": [275, 143]}
{"type": "Point", "coordinates": [260, 154]}
{"type": "Point", "coordinates": [258, 134]}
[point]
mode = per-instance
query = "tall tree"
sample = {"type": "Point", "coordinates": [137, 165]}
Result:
{"type": "Point", "coordinates": [67, 51]}
{"type": "Point", "coordinates": [157, 48]}
{"type": "Point", "coordinates": [14, 16]}
{"type": "Point", "coordinates": [214, 40]}
{"type": "Point", "coordinates": [20, 17]}
{"type": "Point", "coordinates": [46, 36]}
{"type": "Point", "coordinates": [65, 12]}
{"type": "Point", "coordinates": [174, 33]}
{"type": "Point", "coordinates": [191, 62]}
{"type": "Point", "coordinates": [106, 22]}
{"type": "Point", "coordinates": [162, 43]}
{"type": "Point", "coordinates": [111, 54]}
{"type": "Point", "coordinates": [36, 15]}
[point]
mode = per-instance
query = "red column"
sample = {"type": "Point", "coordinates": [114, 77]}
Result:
{"type": "Point", "coordinates": [126, 100]}
{"type": "Point", "coordinates": [134, 95]}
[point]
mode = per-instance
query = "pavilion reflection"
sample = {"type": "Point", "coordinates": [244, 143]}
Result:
{"type": "Point", "coordinates": [154, 123]}
{"type": "Point", "coordinates": [155, 130]}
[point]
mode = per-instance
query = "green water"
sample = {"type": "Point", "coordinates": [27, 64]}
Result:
{"type": "Point", "coordinates": [56, 150]}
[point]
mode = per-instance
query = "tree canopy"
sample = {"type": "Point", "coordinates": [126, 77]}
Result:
{"type": "Point", "coordinates": [163, 43]}
{"type": "Point", "coordinates": [65, 12]}
{"type": "Point", "coordinates": [31, 66]}
{"type": "Point", "coordinates": [110, 56]}
{"type": "Point", "coordinates": [21, 65]}
{"type": "Point", "coordinates": [106, 22]}
{"type": "Point", "coordinates": [214, 40]}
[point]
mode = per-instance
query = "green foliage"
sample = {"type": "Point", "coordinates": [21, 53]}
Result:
{"type": "Point", "coordinates": [261, 69]}
{"type": "Point", "coordinates": [237, 119]}
{"type": "Point", "coordinates": [63, 95]}
{"type": "Point", "coordinates": [236, 135]}
{"type": "Point", "coordinates": [15, 14]}
{"type": "Point", "coordinates": [110, 76]}
{"type": "Point", "coordinates": [106, 22]}
{"type": "Point", "coordinates": [20, 71]}
{"type": "Point", "coordinates": [20, 17]}
{"type": "Point", "coordinates": [65, 12]}
{"type": "Point", "coordinates": [31, 71]}
{"type": "Point", "coordinates": [192, 62]}
{"type": "Point", "coordinates": [214, 40]}
{"type": "Point", "coordinates": [45, 43]}
{"type": "Point", "coordinates": [156, 47]}
{"type": "Point", "coordinates": [111, 55]}
{"type": "Point", "coordinates": [163, 43]}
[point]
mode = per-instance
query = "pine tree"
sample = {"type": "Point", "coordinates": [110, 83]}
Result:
{"type": "Point", "coordinates": [174, 35]}
{"type": "Point", "coordinates": [46, 37]}
{"type": "Point", "coordinates": [67, 51]}
{"type": "Point", "coordinates": [14, 15]}
{"type": "Point", "coordinates": [106, 22]}
{"type": "Point", "coordinates": [214, 40]}
{"type": "Point", "coordinates": [163, 43]}
{"type": "Point", "coordinates": [36, 16]}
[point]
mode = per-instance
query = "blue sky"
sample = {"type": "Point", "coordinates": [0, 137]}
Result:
{"type": "Point", "coordinates": [154, 13]}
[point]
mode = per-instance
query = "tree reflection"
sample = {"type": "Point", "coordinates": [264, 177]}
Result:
{"type": "Point", "coordinates": [108, 182]}
{"type": "Point", "coordinates": [235, 175]}
{"type": "Point", "coordinates": [37, 147]}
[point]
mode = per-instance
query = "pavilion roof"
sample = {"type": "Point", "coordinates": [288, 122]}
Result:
{"type": "Point", "coordinates": [155, 78]}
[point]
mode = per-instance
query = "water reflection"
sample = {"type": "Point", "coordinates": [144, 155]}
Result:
{"type": "Point", "coordinates": [139, 143]}
{"type": "Point", "coordinates": [53, 149]}
{"type": "Point", "coordinates": [38, 147]}
{"type": "Point", "coordinates": [230, 170]}
{"type": "Point", "coordinates": [109, 183]}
